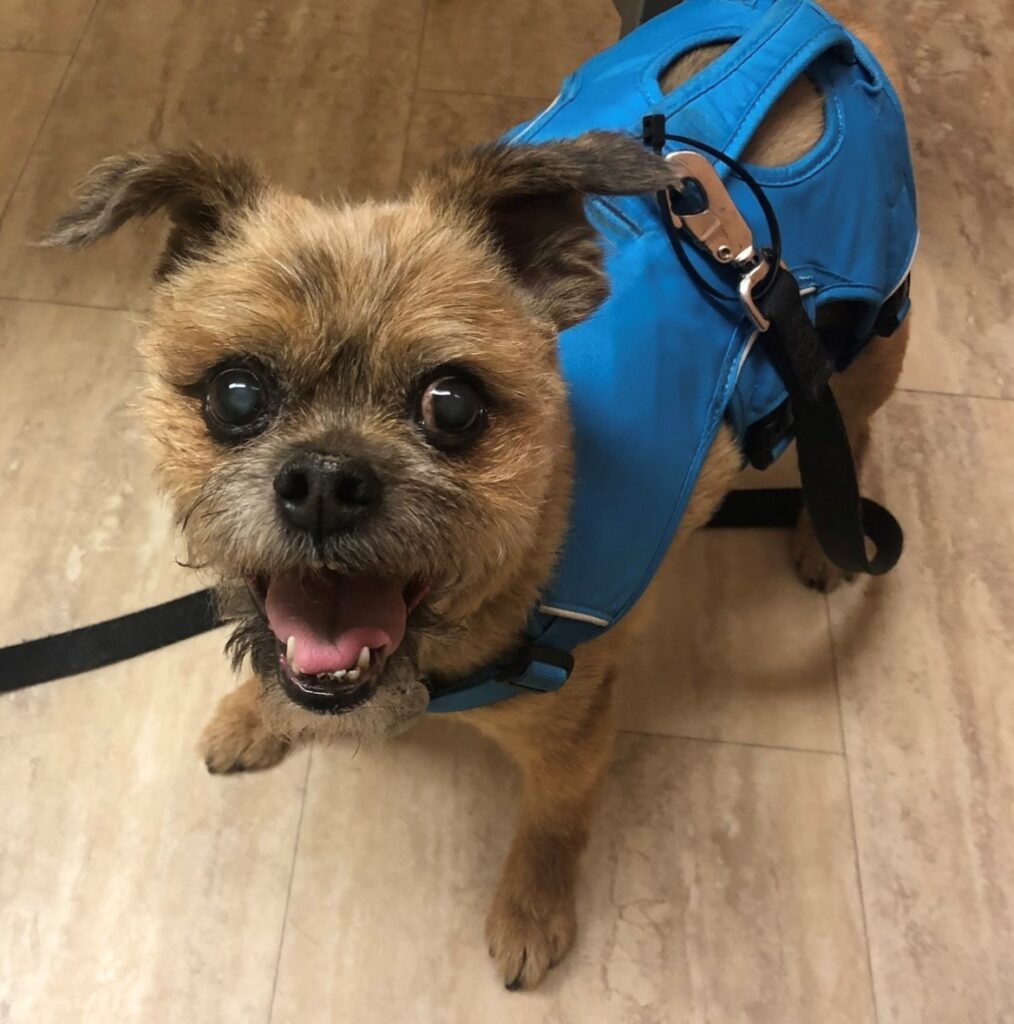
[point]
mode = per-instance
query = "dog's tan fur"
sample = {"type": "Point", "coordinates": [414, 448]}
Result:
{"type": "Point", "coordinates": [485, 262]}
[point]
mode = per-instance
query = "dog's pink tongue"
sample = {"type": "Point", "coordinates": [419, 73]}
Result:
{"type": "Point", "coordinates": [333, 617]}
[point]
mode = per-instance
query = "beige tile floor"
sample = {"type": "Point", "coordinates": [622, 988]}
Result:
{"type": "Point", "coordinates": [811, 816]}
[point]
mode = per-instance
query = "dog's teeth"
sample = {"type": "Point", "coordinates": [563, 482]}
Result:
{"type": "Point", "coordinates": [290, 651]}
{"type": "Point", "coordinates": [337, 675]}
{"type": "Point", "coordinates": [352, 675]}
{"type": "Point", "coordinates": [364, 659]}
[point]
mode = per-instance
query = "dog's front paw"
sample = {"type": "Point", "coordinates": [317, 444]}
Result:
{"type": "Point", "coordinates": [237, 739]}
{"type": "Point", "coordinates": [813, 567]}
{"type": "Point", "coordinates": [527, 938]}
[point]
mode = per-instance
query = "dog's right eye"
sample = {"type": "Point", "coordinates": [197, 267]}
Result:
{"type": "Point", "coordinates": [236, 404]}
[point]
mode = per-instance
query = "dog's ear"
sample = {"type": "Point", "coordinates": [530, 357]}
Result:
{"type": "Point", "coordinates": [202, 193]}
{"type": "Point", "coordinates": [529, 199]}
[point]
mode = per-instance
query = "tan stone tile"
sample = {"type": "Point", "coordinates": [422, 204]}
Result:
{"type": "Point", "coordinates": [446, 121]}
{"type": "Point", "coordinates": [925, 662]}
{"type": "Point", "coordinates": [959, 101]}
{"type": "Point", "coordinates": [736, 648]}
{"type": "Point", "coordinates": [27, 83]}
{"type": "Point", "coordinates": [961, 328]}
{"type": "Point", "coordinates": [523, 48]}
{"type": "Point", "coordinates": [52, 26]}
{"type": "Point", "coordinates": [719, 886]}
{"type": "Point", "coordinates": [135, 886]}
{"type": "Point", "coordinates": [88, 536]}
{"type": "Point", "coordinates": [319, 94]}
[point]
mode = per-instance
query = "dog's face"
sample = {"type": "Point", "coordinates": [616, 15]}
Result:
{"type": "Point", "coordinates": [358, 409]}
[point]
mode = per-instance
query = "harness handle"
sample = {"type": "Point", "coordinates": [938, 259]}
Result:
{"type": "Point", "coordinates": [726, 102]}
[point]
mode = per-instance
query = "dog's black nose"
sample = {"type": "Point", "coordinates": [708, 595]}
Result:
{"type": "Point", "coordinates": [325, 494]}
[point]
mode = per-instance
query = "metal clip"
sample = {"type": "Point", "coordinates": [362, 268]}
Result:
{"type": "Point", "coordinates": [747, 283]}
{"type": "Point", "coordinates": [718, 228]}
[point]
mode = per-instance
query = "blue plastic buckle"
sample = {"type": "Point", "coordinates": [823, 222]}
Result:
{"type": "Point", "coordinates": [537, 668]}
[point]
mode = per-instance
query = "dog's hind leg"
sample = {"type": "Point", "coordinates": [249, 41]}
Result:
{"type": "Point", "coordinates": [860, 391]}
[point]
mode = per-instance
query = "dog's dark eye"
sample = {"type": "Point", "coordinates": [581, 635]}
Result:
{"type": "Point", "coordinates": [236, 404]}
{"type": "Point", "coordinates": [452, 411]}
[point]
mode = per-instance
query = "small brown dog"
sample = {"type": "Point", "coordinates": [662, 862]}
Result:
{"type": "Point", "coordinates": [402, 356]}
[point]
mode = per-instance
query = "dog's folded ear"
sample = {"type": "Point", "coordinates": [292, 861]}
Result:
{"type": "Point", "coordinates": [201, 192]}
{"type": "Point", "coordinates": [529, 200]}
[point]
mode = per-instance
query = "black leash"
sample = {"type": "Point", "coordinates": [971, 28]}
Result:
{"type": "Point", "coordinates": [127, 636]}
{"type": "Point", "coordinates": [105, 643]}
{"type": "Point", "coordinates": [842, 520]}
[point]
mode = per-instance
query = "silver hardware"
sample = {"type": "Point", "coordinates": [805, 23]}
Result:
{"type": "Point", "coordinates": [746, 286]}
{"type": "Point", "coordinates": [720, 230]}
{"type": "Point", "coordinates": [719, 226]}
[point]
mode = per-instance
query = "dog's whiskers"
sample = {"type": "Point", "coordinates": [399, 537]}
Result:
{"type": "Point", "coordinates": [191, 565]}
{"type": "Point", "coordinates": [184, 520]}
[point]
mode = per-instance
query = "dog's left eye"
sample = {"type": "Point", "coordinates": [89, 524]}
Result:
{"type": "Point", "coordinates": [236, 405]}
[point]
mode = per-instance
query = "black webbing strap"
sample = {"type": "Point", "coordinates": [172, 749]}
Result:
{"type": "Point", "coordinates": [772, 508]}
{"type": "Point", "coordinates": [841, 520]}
{"type": "Point", "coordinates": [105, 643]}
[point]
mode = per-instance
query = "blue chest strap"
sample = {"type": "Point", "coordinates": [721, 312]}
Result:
{"type": "Point", "coordinates": [543, 664]}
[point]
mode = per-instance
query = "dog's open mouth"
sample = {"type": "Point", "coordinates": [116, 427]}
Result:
{"type": "Point", "coordinates": [335, 632]}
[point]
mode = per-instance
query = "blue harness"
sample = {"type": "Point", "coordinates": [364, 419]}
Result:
{"type": "Point", "coordinates": [847, 216]}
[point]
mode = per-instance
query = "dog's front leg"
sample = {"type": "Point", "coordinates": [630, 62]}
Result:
{"type": "Point", "coordinates": [238, 737]}
{"type": "Point", "coordinates": [562, 743]}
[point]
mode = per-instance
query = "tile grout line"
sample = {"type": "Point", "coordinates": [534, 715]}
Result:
{"type": "Point", "coordinates": [488, 95]}
{"type": "Point", "coordinates": [70, 305]}
{"type": "Point", "coordinates": [955, 394]}
{"type": "Point", "coordinates": [732, 743]}
{"type": "Point", "coordinates": [288, 891]}
{"type": "Point", "coordinates": [415, 92]}
{"type": "Point", "coordinates": [852, 811]}
{"type": "Point", "coordinates": [32, 50]}
{"type": "Point", "coordinates": [45, 117]}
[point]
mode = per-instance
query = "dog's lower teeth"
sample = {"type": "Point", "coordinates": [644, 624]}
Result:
{"type": "Point", "coordinates": [340, 675]}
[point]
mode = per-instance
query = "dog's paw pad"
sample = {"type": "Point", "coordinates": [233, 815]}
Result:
{"type": "Point", "coordinates": [524, 945]}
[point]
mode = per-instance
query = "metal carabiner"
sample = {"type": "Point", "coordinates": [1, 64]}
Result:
{"type": "Point", "coordinates": [720, 230]}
